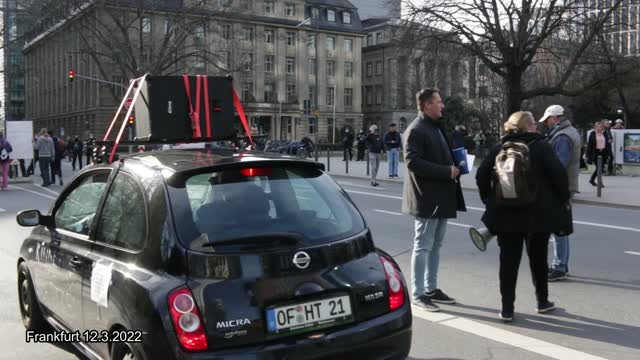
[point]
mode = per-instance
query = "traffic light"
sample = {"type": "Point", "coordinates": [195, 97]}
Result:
{"type": "Point", "coordinates": [72, 75]}
{"type": "Point", "coordinates": [131, 120]}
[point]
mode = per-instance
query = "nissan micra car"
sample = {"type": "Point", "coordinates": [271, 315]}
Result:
{"type": "Point", "coordinates": [210, 254]}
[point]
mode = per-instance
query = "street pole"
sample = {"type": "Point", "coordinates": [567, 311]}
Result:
{"type": "Point", "coordinates": [315, 129]}
{"type": "Point", "coordinates": [100, 80]}
{"type": "Point", "coordinates": [334, 113]}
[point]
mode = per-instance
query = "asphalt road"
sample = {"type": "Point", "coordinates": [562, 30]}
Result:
{"type": "Point", "coordinates": [597, 318]}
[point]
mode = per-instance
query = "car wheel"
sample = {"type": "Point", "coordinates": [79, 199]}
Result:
{"type": "Point", "coordinates": [126, 351]}
{"type": "Point", "coordinates": [29, 307]}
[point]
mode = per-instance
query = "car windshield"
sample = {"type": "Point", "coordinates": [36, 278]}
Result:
{"type": "Point", "coordinates": [240, 203]}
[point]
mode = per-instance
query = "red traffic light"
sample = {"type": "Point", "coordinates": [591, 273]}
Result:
{"type": "Point", "coordinates": [72, 75]}
{"type": "Point", "coordinates": [132, 120]}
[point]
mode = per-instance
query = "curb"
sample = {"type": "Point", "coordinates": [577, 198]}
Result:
{"type": "Point", "coordinates": [577, 201]}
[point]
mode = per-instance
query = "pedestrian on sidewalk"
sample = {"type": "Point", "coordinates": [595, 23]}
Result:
{"type": "Point", "coordinates": [56, 161]}
{"type": "Point", "coordinates": [566, 142]}
{"type": "Point", "coordinates": [76, 151]}
{"type": "Point", "coordinates": [431, 194]}
{"type": "Point", "coordinates": [530, 223]}
{"type": "Point", "coordinates": [361, 144]}
{"type": "Point", "coordinates": [5, 160]}
{"type": "Point", "coordinates": [597, 145]}
{"type": "Point", "coordinates": [374, 143]}
{"type": "Point", "coordinates": [347, 144]}
{"type": "Point", "coordinates": [608, 150]}
{"type": "Point", "coordinates": [89, 145]}
{"type": "Point", "coordinates": [392, 142]}
{"type": "Point", "coordinates": [46, 153]}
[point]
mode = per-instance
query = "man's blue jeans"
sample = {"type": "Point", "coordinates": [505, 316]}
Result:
{"type": "Point", "coordinates": [561, 252]}
{"type": "Point", "coordinates": [393, 156]}
{"type": "Point", "coordinates": [426, 254]}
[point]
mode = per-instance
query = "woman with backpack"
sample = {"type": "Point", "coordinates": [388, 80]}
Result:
{"type": "Point", "coordinates": [5, 160]}
{"type": "Point", "coordinates": [525, 189]}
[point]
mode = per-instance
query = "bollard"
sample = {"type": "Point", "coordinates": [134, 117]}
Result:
{"type": "Point", "coordinates": [599, 171]}
{"type": "Point", "coordinates": [328, 159]}
{"type": "Point", "coordinates": [368, 163]}
{"type": "Point", "coordinates": [346, 162]}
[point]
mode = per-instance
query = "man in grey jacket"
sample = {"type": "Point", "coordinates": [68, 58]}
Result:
{"type": "Point", "coordinates": [431, 193]}
{"type": "Point", "coordinates": [567, 143]}
{"type": "Point", "coordinates": [46, 151]}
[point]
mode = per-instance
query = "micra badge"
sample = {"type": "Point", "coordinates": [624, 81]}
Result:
{"type": "Point", "coordinates": [373, 297]}
{"type": "Point", "coordinates": [232, 323]}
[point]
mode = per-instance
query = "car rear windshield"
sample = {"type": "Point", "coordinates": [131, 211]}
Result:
{"type": "Point", "coordinates": [240, 203]}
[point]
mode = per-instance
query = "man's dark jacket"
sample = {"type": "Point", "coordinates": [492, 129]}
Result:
{"type": "Point", "coordinates": [545, 215]}
{"type": "Point", "coordinates": [428, 183]}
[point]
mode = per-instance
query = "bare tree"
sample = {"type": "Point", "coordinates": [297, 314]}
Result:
{"type": "Point", "coordinates": [512, 36]}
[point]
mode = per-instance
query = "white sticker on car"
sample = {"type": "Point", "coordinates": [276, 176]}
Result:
{"type": "Point", "coordinates": [100, 281]}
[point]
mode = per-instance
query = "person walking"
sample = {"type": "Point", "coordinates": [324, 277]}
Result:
{"type": "Point", "coordinates": [347, 143]}
{"type": "Point", "coordinates": [609, 148]}
{"type": "Point", "coordinates": [56, 161]}
{"type": "Point", "coordinates": [5, 160]}
{"type": "Point", "coordinates": [479, 141]}
{"type": "Point", "coordinates": [598, 145]}
{"type": "Point", "coordinates": [392, 142]}
{"type": "Point", "coordinates": [89, 145]}
{"type": "Point", "coordinates": [374, 144]}
{"type": "Point", "coordinates": [566, 142]}
{"type": "Point", "coordinates": [361, 144]}
{"type": "Point", "coordinates": [431, 194]}
{"type": "Point", "coordinates": [46, 153]}
{"type": "Point", "coordinates": [76, 153]}
{"type": "Point", "coordinates": [532, 222]}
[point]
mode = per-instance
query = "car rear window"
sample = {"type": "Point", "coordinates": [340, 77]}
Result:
{"type": "Point", "coordinates": [239, 203]}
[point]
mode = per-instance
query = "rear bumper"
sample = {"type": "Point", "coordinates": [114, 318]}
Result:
{"type": "Point", "coordinates": [387, 337]}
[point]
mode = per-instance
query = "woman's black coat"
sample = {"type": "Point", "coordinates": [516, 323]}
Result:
{"type": "Point", "coordinates": [546, 214]}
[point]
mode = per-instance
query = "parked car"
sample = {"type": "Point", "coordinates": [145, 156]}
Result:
{"type": "Point", "coordinates": [211, 254]}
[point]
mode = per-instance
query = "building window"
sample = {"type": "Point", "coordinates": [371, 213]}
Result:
{"type": "Point", "coordinates": [369, 69]}
{"type": "Point", "coordinates": [331, 15]}
{"type": "Point", "coordinates": [290, 9]}
{"type": "Point", "coordinates": [312, 67]}
{"type": "Point", "coordinates": [312, 125]}
{"type": "Point", "coordinates": [330, 95]}
{"type": "Point", "coordinates": [348, 45]}
{"type": "Point", "coordinates": [198, 34]}
{"type": "Point", "coordinates": [268, 63]}
{"type": "Point", "coordinates": [369, 40]}
{"type": "Point", "coordinates": [269, 35]}
{"type": "Point", "coordinates": [369, 95]}
{"type": "Point", "coordinates": [247, 90]}
{"type": "Point", "coordinates": [346, 17]}
{"type": "Point", "coordinates": [378, 96]}
{"type": "Point", "coordinates": [291, 39]}
{"type": "Point", "coordinates": [247, 34]}
{"type": "Point", "coordinates": [248, 62]}
{"type": "Point", "coordinates": [226, 31]}
{"type": "Point", "coordinates": [269, 7]}
{"type": "Point", "coordinates": [292, 94]}
{"type": "Point", "coordinates": [348, 69]}
{"type": "Point", "coordinates": [246, 4]}
{"type": "Point", "coordinates": [379, 68]}
{"type": "Point", "coordinates": [224, 3]}
{"type": "Point", "coordinates": [379, 38]}
{"type": "Point", "coordinates": [311, 41]}
{"type": "Point", "coordinates": [312, 95]}
{"type": "Point", "coordinates": [315, 13]}
{"type": "Point", "coordinates": [146, 24]}
{"type": "Point", "coordinates": [269, 93]}
{"type": "Point", "coordinates": [291, 65]}
{"type": "Point", "coordinates": [168, 28]}
{"type": "Point", "coordinates": [331, 68]}
{"type": "Point", "coordinates": [331, 43]}
{"type": "Point", "coordinates": [348, 97]}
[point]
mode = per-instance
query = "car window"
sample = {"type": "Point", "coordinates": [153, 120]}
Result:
{"type": "Point", "coordinates": [238, 203]}
{"type": "Point", "coordinates": [123, 219]}
{"type": "Point", "coordinates": [77, 210]}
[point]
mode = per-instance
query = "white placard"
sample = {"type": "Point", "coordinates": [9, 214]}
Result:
{"type": "Point", "coordinates": [20, 135]}
{"type": "Point", "coordinates": [100, 281]}
{"type": "Point", "coordinates": [470, 161]}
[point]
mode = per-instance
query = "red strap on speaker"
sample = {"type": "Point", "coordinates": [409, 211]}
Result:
{"type": "Point", "coordinates": [243, 117]}
{"type": "Point", "coordinates": [207, 105]}
{"type": "Point", "coordinates": [193, 114]}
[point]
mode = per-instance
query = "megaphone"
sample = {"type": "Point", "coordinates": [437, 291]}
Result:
{"type": "Point", "coordinates": [481, 238]}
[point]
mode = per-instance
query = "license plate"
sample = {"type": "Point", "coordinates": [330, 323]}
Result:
{"type": "Point", "coordinates": [309, 315]}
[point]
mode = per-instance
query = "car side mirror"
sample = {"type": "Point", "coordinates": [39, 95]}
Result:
{"type": "Point", "coordinates": [29, 218]}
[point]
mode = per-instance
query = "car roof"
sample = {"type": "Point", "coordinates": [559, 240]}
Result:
{"type": "Point", "coordinates": [181, 161]}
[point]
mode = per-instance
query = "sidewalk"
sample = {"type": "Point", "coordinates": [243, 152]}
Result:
{"type": "Point", "coordinates": [67, 174]}
{"type": "Point", "coordinates": [619, 191]}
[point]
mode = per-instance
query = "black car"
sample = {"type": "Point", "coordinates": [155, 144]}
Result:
{"type": "Point", "coordinates": [211, 254]}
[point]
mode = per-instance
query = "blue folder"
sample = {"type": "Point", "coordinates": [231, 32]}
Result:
{"type": "Point", "coordinates": [460, 155]}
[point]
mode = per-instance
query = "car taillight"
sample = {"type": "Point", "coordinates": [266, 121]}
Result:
{"type": "Point", "coordinates": [394, 280]}
{"type": "Point", "coordinates": [187, 320]}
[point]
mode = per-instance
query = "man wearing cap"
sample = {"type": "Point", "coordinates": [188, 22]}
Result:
{"type": "Point", "coordinates": [567, 143]}
{"type": "Point", "coordinates": [619, 125]}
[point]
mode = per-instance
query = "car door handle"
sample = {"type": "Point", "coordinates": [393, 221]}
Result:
{"type": "Point", "coordinates": [76, 262]}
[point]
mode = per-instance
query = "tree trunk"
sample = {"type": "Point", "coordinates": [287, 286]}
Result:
{"type": "Point", "coordinates": [513, 82]}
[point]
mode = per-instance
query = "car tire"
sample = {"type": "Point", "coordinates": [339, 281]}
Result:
{"type": "Point", "coordinates": [127, 351]}
{"type": "Point", "coordinates": [30, 311]}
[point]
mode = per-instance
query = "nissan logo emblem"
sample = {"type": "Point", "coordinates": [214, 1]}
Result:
{"type": "Point", "coordinates": [301, 260]}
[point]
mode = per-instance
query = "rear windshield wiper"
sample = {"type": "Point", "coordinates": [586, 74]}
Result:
{"type": "Point", "coordinates": [261, 240]}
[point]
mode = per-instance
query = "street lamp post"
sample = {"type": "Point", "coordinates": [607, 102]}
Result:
{"type": "Point", "coordinates": [315, 72]}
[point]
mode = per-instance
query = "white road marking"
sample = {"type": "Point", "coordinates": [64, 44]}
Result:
{"type": "Point", "coordinates": [632, 253]}
{"type": "Point", "coordinates": [51, 191]}
{"type": "Point", "coordinates": [33, 192]}
{"type": "Point", "coordinates": [624, 228]}
{"type": "Point", "coordinates": [503, 336]}
{"type": "Point", "coordinates": [400, 214]}
{"type": "Point", "coordinates": [360, 186]}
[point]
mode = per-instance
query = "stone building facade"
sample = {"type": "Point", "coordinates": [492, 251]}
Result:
{"type": "Point", "coordinates": [266, 46]}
